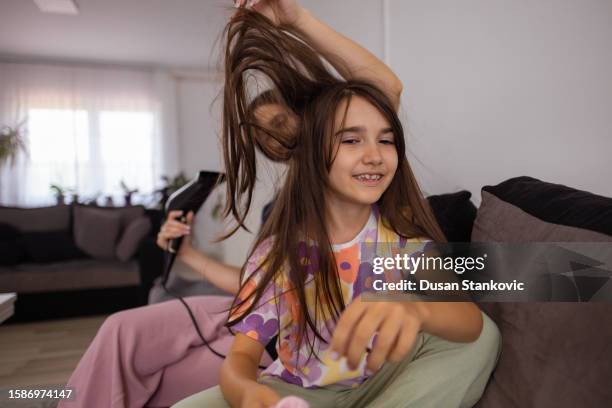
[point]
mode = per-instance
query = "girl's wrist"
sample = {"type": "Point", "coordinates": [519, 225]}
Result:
{"type": "Point", "coordinates": [421, 311]}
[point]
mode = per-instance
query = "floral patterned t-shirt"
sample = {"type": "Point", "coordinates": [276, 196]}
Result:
{"type": "Point", "coordinates": [262, 324]}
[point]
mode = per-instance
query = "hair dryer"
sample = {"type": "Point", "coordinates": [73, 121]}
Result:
{"type": "Point", "coordinates": [188, 198]}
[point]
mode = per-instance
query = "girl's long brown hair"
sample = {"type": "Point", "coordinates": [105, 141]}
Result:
{"type": "Point", "coordinates": [300, 81]}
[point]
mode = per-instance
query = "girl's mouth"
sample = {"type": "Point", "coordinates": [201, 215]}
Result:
{"type": "Point", "coordinates": [369, 179]}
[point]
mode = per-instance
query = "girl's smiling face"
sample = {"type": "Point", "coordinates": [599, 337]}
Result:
{"type": "Point", "coordinates": [365, 157]}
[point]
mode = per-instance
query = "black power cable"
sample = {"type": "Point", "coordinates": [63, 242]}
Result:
{"type": "Point", "coordinates": [195, 323]}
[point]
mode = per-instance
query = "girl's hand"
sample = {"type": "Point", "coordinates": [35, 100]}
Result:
{"type": "Point", "coordinates": [173, 228]}
{"type": "Point", "coordinates": [259, 396]}
{"type": "Point", "coordinates": [396, 325]}
{"type": "Point", "coordinates": [280, 12]}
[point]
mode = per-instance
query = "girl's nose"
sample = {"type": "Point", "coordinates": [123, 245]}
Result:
{"type": "Point", "coordinates": [372, 154]}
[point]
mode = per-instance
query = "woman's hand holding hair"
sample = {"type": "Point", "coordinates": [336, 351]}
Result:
{"type": "Point", "coordinates": [348, 58]}
{"type": "Point", "coordinates": [396, 325]}
{"type": "Point", "coordinates": [280, 12]}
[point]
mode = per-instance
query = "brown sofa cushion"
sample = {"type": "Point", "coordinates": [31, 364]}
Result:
{"type": "Point", "coordinates": [126, 214]}
{"type": "Point", "coordinates": [69, 275]}
{"type": "Point", "coordinates": [501, 221]}
{"type": "Point", "coordinates": [49, 246]}
{"type": "Point", "coordinates": [41, 219]}
{"type": "Point", "coordinates": [96, 231]}
{"type": "Point", "coordinates": [131, 237]}
{"type": "Point", "coordinates": [553, 354]}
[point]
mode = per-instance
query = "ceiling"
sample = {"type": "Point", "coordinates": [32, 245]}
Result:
{"type": "Point", "coordinates": [157, 33]}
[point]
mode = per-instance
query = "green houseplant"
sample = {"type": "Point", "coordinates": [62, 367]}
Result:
{"type": "Point", "coordinates": [60, 193]}
{"type": "Point", "coordinates": [12, 141]}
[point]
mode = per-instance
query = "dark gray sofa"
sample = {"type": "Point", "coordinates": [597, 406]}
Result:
{"type": "Point", "coordinates": [46, 258]}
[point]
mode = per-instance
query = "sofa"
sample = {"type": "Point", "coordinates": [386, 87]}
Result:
{"type": "Point", "coordinates": [76, 260]}
{"type": "Point", "coordinates": [554, 354]}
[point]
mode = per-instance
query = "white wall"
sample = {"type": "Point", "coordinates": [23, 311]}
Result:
{"type": "Point", "coordinates": [198, 125]}
{"type": "Point", "coordinates": [496, 89]}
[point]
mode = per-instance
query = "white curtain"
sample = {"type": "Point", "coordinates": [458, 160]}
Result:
{"type": "Point", "coordinates": [88, 129]}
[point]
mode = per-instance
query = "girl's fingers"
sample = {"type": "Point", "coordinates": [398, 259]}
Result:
{"type": "Point", "coordinates": [405, 342]}
{"type": "Point", "coordinates": [385, 341]}
{"type": "Point", "coordinates": [348, 320]}
{"type": "Point", "coordinates": [361, 336]}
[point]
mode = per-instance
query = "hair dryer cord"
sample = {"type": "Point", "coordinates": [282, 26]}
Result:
{"type": "Point", "coordinates": [196, 326]}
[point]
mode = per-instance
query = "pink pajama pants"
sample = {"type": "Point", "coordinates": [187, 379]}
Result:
{"type": "Point", "coordinates": [152, 356]}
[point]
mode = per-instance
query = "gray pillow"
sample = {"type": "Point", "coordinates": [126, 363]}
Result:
{"type": "Point", "coordinates": [96, 231]}
{"type": "Point", "coordinates": [552, 352]}
{"type": "Point", "coordinates": [131, 237]}
{"type": "Point", "coordinates": [501, 221]}
{"type": "Point", "coordinates": [126, 214]}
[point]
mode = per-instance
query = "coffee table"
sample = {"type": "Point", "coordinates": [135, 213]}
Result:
{"type": "Point", "coordinates": [7, 305]}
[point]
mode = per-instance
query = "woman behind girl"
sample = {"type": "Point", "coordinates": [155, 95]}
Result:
{"type": "Point", "coordinates": [348, 182]}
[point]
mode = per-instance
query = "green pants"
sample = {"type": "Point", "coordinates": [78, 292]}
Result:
{"type": "Point", "coordinates": [438, 373]}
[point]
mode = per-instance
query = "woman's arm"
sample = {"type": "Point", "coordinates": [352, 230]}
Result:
{"type": "Point", "coordinates": [351, 60]}
{"type": "Point", "coordinates": [223, 276]}
{"type": "Point", "coordinates": [239, 373]}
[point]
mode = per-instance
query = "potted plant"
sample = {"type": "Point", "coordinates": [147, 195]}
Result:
{"type": "Point", "coordinates": [127, 193]}
{"type": "Point", "coordinates": [12, 141]}
{"type": "Point", "coordinates": [92, 200]}
{"type": "Point", "coordinates": [59, 192]}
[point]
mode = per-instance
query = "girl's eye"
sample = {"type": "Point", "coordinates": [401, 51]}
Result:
{"type": "Point", "coordinates": [387, 142]}
{"type": "Point", "coordinates": [349, 141]}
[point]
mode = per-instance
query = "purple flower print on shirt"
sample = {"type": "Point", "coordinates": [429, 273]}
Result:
{"type": "Point", "coordinates": [365, 270]}
{"type": "Point", "coordinates": [255, 323]}
{"type": "Point", "coordinates": [290, 378]}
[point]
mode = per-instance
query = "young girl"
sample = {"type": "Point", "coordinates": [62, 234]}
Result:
{"type": "Point", "coordinates": [347, 183]}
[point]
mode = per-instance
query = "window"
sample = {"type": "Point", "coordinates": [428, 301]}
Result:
{"type": "Point", "coordinates": [89, 152]}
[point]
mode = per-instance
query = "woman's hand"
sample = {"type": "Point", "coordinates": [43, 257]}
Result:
{"type": "Point", "coordinates": [280, 12]}
{"type": "Point", "coordinates": [396, 325]}
{"type": "Point", "coordinates": [173, 228]}
{"type": "Point", "coordinates": [259, 396]}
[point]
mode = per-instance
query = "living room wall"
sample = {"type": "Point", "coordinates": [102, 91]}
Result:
{"type": "Point", "coordinates": [496, 89]}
